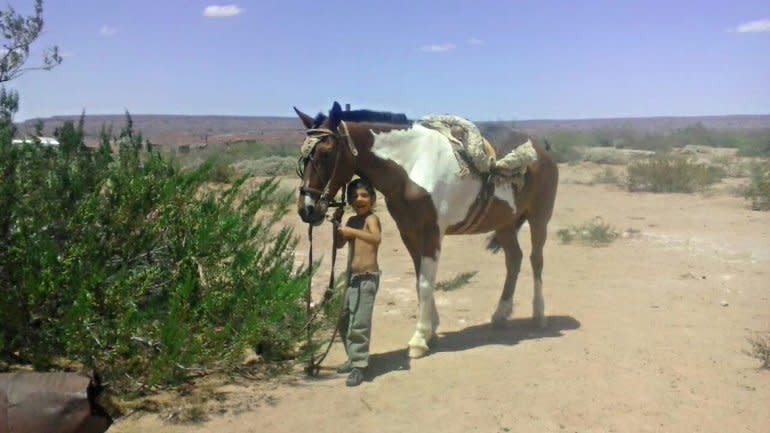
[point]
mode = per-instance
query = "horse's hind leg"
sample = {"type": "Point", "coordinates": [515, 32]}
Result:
{"type": "Point", "coordinates": [507, 240]}
{"type": "Point", "coordinates": [539, 232]}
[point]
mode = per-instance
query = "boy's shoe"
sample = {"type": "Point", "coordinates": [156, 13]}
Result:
{"type": "Point", "coordinates": [356, 377]}
{"type": "Point", "coordinates": [345, 368]}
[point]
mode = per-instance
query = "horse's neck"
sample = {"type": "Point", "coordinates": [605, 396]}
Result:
{"type": "Point", "coordinates": [395, 158]}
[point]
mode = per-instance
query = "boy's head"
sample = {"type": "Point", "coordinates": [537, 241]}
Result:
{"type": "Point", "coordinates": [360, 191]}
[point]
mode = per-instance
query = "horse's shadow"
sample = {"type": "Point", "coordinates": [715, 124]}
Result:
{"type": "Point", "coordinates": [511, 333]}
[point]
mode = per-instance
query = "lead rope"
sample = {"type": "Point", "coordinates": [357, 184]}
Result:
{"type": "Point", "coordinates": [314, 363]}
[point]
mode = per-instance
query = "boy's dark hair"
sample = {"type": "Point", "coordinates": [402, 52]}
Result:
{"type": "Point", "coordinates": [359, 183]}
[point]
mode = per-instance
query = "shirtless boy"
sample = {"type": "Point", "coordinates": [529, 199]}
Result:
{"type": "Point", "coordinates": [362, 234]}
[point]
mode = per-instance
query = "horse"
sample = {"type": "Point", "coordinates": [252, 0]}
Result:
{"type": "Point", "coordinates": [416, 171]}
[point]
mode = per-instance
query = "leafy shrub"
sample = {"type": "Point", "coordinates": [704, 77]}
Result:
{"type": "Point", "coordinates": [671, 174]}
{"type": "Point", "coordinates": [758, 190]}
{"type": "Point", "coordinates": [119, 262]}
{"type": "Point", "coordinates": [760, 349]}
{"type": "Point", "coordinates": [594, 233]}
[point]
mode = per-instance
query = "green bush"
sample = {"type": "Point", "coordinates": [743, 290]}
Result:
{"type": "Point", "coordinates": [671, 174]}
{"type": "Point", "coordinates": [758, 190]}
{"type": "Point", "coordinates": [594, 233]}
{"type": "Point", "coordinates": [119, 262]}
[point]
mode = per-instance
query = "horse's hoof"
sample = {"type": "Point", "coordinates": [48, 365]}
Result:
{"type": "Point", "coordinates": [417, 351]}
{"type": "Point", "coordinates": [541, 322]}
{"type": "Point", "coordinates": [498, 322]}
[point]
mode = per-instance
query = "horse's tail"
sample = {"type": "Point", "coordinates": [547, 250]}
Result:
{"type": "Point", "coordinates": [493, 245]}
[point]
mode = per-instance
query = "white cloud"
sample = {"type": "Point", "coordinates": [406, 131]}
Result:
{"type": "Point", "coordinates": [754, 27]}
{"type": "Point", "coordinates": [443, 48]}
{"type": "Point", "coordinates": [217, 11]}
{"type": "Point", "coordinates": [475, 41]}
{"type": "Point", "coordinates": [108, 31]}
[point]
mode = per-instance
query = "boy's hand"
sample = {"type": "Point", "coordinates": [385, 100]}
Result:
{"type": "Point", "coordinates": [344, 231]}
{"type": "Point", "coordinates": [336, 218]}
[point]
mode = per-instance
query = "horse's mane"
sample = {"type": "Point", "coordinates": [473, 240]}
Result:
{"type": "Point", "coordinates": [367, 116]}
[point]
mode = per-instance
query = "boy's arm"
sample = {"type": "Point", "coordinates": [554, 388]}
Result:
{"type": "Point", "coordinates": [371, 235]}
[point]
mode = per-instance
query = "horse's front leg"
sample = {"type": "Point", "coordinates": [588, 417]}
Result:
{"type": "Point", "coordinates": [427, 315]}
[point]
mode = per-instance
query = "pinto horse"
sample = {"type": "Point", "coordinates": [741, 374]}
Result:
{"type": "Point", "coordinates": [416, 170]}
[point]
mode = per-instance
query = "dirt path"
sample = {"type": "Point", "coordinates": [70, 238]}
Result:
{"type": "Point", "coordinates": [646, 335]}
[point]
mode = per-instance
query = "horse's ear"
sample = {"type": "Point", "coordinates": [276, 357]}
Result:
{"type": "Point", "coordinates": [335, 115]}
{"type": "Point", "coordinates": [306, 120]}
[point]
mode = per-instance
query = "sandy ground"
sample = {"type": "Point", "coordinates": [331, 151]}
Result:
{"type": "Point", "coordinates": [646, 335]}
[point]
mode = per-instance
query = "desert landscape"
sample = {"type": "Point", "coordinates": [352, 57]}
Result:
{"type": "Point", "coordinates": [647, 334]}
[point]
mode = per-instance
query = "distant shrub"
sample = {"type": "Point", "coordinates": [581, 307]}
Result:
{"type": "Point", "coordinates": [566, 146]}
{"type": "Point", "coordinates": [611, 155]}
{"type": "Point", "coordinates": [758, 190]}
{"type": "Point", "coordinates": [756, 144]}
{"type": "Point", "coordinates": [733, 166]}
{"type": "Point", "coordinates": [594, 233]}
{"type": "Point", "coordinates": [607, 176]}
{"type": "Point", "coordinates": [222, 173]}
{"type": "Point", "coordinates": [268, 167]}
{"type": "Point", "coordinates": [671, 174]}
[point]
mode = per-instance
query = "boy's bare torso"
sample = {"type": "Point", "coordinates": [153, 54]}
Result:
{"type": "Point", "coordinates": [362, 255]}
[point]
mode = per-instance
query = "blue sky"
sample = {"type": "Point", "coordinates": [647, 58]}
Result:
{"type": "Point", "coordinates": [482, 59]}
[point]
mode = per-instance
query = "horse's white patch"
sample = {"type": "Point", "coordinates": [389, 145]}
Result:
{"type": "Point", "coordinates": [309, 202]}
{"type": "Point", "coordinates": [428, 159]}
{"type": "Point", "coordinates": [504, 192]}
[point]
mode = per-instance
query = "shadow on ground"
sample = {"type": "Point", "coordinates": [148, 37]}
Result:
{"type": "Point", "coordinates": [511, 333]}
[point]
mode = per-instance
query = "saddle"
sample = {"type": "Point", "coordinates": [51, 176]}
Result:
{"type": "Point", "coordinates": [475, 154]}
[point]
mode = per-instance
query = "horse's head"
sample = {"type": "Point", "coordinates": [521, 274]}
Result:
{"type": "Point", "coordinates": [327, 162]}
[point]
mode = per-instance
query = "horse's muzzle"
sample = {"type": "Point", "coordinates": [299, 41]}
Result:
{"type": "Point", "coordinates": [313, 213]}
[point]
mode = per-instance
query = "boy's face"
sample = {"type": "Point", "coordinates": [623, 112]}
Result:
{"type": "Point", "coordinates": [362, 201]}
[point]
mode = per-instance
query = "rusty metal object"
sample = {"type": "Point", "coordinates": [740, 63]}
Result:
{"type": "Point", "coordinates": [51, 403]}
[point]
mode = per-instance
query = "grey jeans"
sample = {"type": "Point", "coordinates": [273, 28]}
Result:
{"type": "Point", "coordinates": [356, 321]}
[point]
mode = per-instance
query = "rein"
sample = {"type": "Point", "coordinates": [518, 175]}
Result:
{"type": "Point", "coordinates": [314, 363]}
{"type": "Point", "coordinates": [314, 136]}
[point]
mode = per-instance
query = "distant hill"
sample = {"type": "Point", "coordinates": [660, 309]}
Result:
{"type": "Point", "coordinates": [195, 131]}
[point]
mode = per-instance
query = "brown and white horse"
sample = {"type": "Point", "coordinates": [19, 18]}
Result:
{"type": "Point", "coordinates": [417, 172]}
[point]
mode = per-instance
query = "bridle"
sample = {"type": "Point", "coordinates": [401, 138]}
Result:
{"type": "Point", "coordinates": [313, 137]}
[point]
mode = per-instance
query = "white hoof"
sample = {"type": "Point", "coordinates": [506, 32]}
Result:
{"type": "Point", "coordinates": [417, 351]}
{"type": "Point", "coordinates": [418, 347]}
{"type": "Point", "coordinates": [538, 312]}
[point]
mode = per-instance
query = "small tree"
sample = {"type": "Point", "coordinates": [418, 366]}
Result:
{"type": "Point", "coordinates": [19, 32]}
